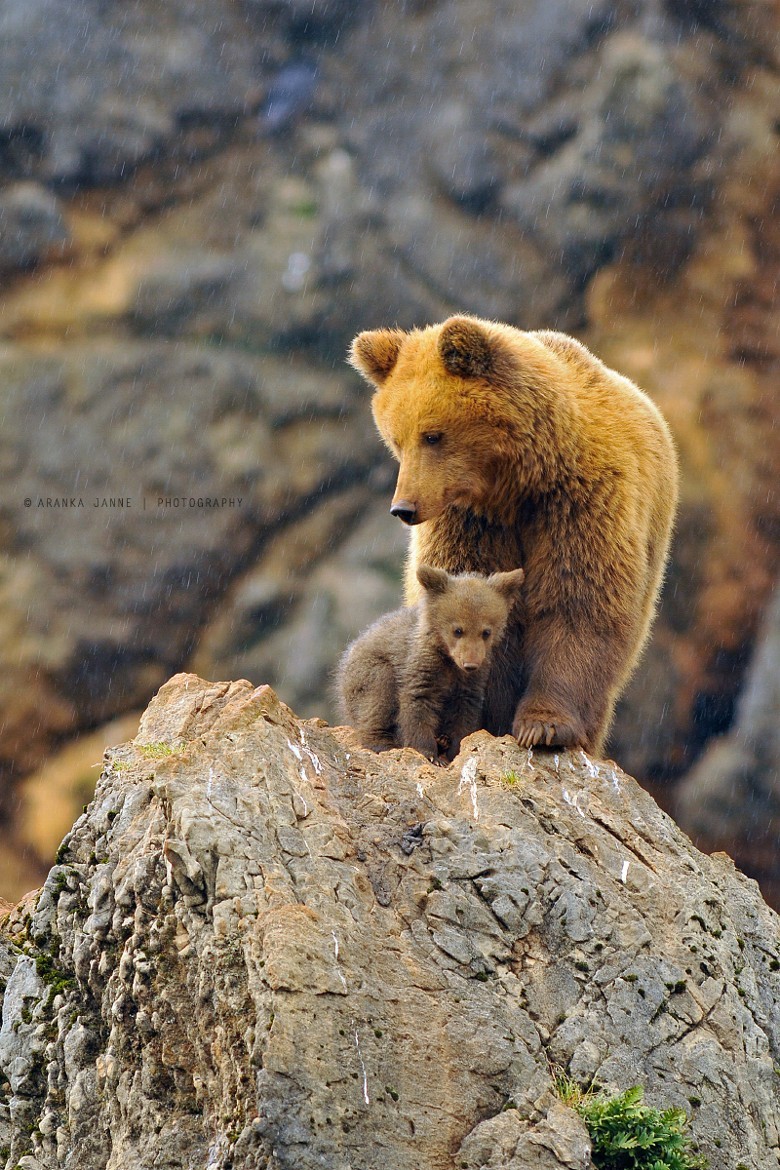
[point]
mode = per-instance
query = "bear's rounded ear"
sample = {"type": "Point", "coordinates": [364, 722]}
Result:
{"type": "Point", "coordinates": [374, 354]}
{"type": "Point", "coordinates": [508, 584]}
{"type": "Point", "coordinates": [433, 580]}
{"type": "Point", "coordinates": [466, 348]}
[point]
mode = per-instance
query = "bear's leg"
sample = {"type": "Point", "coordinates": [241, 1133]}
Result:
{"type": "Point", "coordinates": [377, 743]}
{"type": "Point", "coordinates": [506, 683]}
{"type": "Point", "coordinates": [422, 699]}
{"type": "Point", "coordinates": [569, 697]}
{"type": "Point", "coordinates": [469, 716]}
{"type": "Point", "coordinates": [418, 727]}
{"type": "Point", "coordinates": [370, 702]}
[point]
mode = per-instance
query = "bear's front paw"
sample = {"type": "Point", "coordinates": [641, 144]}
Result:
{"type": "Point", "coordinates": [424, 744]}
{"type": "Point", "coordinates": [547, 728]}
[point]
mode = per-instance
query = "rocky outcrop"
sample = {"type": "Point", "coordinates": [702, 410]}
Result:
{"type": "Point", "coordinates": [262, 944]}
{"type": "Point", "coordinates": [731, 799]}
{"type": "Point", "coordinates": [245, 186]}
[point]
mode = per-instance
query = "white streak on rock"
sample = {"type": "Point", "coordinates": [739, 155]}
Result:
{"type": "Point", "coordinates": [468, 778]}
{"type": "Point", "coordinates": [572, 800]}
{"type": "Point", "coordinates": [300, 798]}
{"type": "Point", "coordinates": [590, 767]}
{"type": "Point", "coordinates": [314, 759]}
{"type": "Point", "coordinates": [363, 1069]}
{"type": "Point", "coordinates": [339, 972]}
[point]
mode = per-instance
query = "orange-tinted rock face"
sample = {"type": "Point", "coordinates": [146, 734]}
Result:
{"type": "Point", "coordinates": [705, 346]}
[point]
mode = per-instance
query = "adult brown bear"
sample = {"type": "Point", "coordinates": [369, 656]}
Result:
{"type": "Point", "coordinates": [523, 449]}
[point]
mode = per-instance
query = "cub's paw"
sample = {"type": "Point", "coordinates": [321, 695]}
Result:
{"type": "Point", "coordinates": [547, 728]}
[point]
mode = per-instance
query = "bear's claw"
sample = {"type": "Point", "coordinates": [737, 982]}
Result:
{"type": "Point", "coordinates": [546, 731]}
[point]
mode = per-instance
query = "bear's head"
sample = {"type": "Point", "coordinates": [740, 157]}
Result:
{"type": "Point", "coordinates": [467, 614]}
{"type": "Point", "coordinates": [440, 408]}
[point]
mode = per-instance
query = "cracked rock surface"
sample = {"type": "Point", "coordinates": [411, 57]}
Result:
{"type": "Point", "coordinates": [203, 201]}
{"type": "Point", "coordinates": [265, 946]}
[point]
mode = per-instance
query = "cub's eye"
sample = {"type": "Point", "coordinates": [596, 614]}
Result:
{"type": "Point", "coordinates": [457, 632]}
{"type": "Point", "coordinates": [486, 634]}
{"type": "Point", "coordinates": [432, 438]}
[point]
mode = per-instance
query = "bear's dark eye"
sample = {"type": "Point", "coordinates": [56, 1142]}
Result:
{"type": "Point", "coordinates": [457, 632]}
{"type": "Point", "coordinates": [486, 634]}
{"type": "Point", "coordinates": [432, 438]}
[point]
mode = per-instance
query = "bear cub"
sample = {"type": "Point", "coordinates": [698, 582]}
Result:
{"type": "Point", "coordinates": [416, 677]}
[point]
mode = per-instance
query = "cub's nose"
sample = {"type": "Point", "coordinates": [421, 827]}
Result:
{"type": "Point", "coordinates": [404, 511]}
{"type": "Point", "coordinates": [469, 667]}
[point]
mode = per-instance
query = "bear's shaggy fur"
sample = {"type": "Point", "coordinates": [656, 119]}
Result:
{"type": "Point", "coordinates": [416, 677]}
{"type": "Point", "coordinates": [523, 448]}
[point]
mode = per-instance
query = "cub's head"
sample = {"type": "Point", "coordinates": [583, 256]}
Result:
{"type": "Point", "coordinates": [438, 408]}
{"type": "Point", "coordinates": [468, 614]}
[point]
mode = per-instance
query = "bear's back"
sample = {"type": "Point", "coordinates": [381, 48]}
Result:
{"type": "Point", "coordinates": [388, 639]}
{"type": "Point", "coordinates": [572, 351]}
{"type": "Point", "coordinates": [623, 422]}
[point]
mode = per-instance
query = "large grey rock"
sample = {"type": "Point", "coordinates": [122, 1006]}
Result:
{"type": "Point", "coordinates": [564, 124]}
{"type": "Point", "coordinates": [643, 115]}
{"type": "Point", "coordinates": [96, 92]}
{"type": "Point", "coordinates": [563, 127]}
{"type": "Point", "coordinates": [32, 227]}
{"type": "Point", "coordinates": [264, 945]}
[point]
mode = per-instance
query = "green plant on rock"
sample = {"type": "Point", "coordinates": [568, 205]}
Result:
{"type": "Point", "coordinates": [159, 750]}
{"type": "Point", "coordinates": [626, 1134]}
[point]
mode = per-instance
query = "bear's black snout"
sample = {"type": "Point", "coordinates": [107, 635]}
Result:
{"type": "Point", "coordinates": [404, 511]}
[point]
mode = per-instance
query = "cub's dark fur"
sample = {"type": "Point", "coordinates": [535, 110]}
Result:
{"type": "Point", "coordinates": [416, 678]}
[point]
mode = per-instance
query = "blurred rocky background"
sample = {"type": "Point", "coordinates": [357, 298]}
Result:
{"type": "Point", "coordinates": [202, 202]}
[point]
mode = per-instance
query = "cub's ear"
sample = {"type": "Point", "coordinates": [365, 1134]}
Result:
{"type": "Point", "coordinates": [508, 584]}
{"type": "Point", "coordinates": [466, 348]}
{"type": "Point", "coordinates": [433, 580]}
{"type": "Point", "coordinates": [375, 353]}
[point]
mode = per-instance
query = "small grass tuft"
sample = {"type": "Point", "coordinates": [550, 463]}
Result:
{"type": "Point", "coordinates": [306, 209]}
{"type": "Point", "coordinates": [626, 1134]}
{"type": "Point", "coordinates": [159, 751]}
